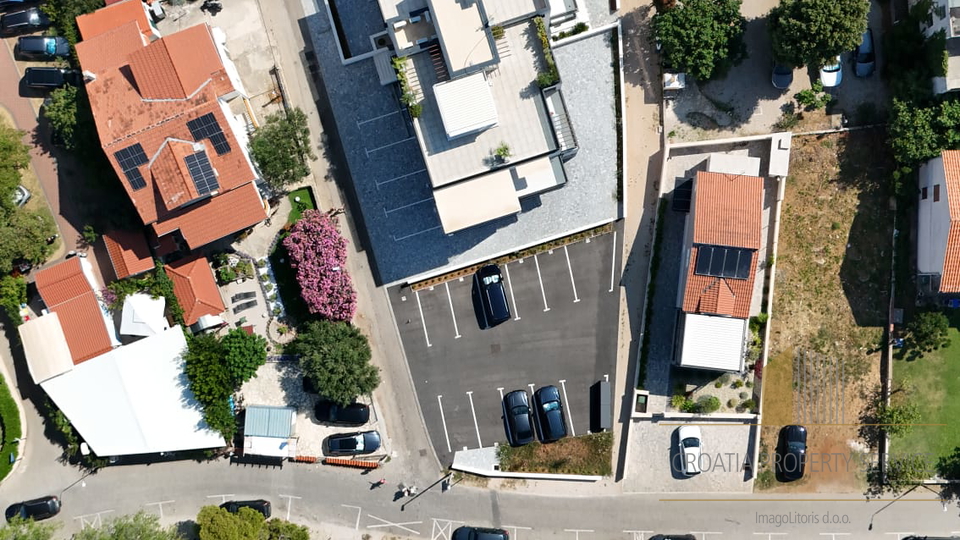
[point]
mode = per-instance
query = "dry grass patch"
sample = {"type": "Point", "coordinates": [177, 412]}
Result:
{"type": "Point", "coordinates": [588, 454]}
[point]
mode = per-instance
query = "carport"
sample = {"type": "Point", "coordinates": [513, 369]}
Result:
{"type": "Point", "coordinates": [268, 431]}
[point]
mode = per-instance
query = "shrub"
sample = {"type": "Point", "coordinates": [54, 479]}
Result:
{"type": "Point", "coordinates": [226, 274]}
{"type": "Point", "coordinates": [708, 404]}
{"type": "Point", "coordinates": [744, 395]}
{"type": "Point", "coordinates": [261, 263]}
{"type": "Point", "coordinates": [497, 32]}
{"type": "Point", "coordinates": [749, 384]}
{"type": "Point", "coordinates": [725, 378]}
{"type": "Point", "coordinates": [318, 254]}
{"type": "Point", "coordinates": [718, 384]}
{"type": "Point", "coordinates": [738, 383]}
{"type": "Point", "coordinates": [220, 259]}
{"type": "Point", "coordinates": [678, 401]}
{"type": "Point", "coordinates": [731, 403]}
{"type": "Point", "coordinates": [813, 98]}
{"type": "Point", "coordinates": [268, 287]}
{"type": "Point", "coordinates": [749, 405]}
{"type": "Point", "coordinates": [415, 109]}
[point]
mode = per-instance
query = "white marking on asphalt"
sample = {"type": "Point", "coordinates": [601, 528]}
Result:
{"type": "Point", "coordinates": [97, 521]}
{"type": "Point", "coordinates": [361, 122]}
{"type": "Point", "coordinates": [223, 497]}
{"type": "Point", "coordinates": [289, 499]}
{"type": "Point", "coordinates": [578, 531]}
{"type": "Point", "coordinates": [570, 268]}
{"type": "Point", "coordinates": [542, 292]}
{"type": "Point", "coordinates": [515, 528]}
{"type": "Point", "coordinates": [388, 212]}
{"type": "Point", "coordinates": [452, 314]}
{"type": "Point", "coordinates": [637, 535]}
{"type": "Point", "coordinates": [512, 299]}
{"type": "Point", "coordinates": [500, 389]}
{"type": "Point", "coordinates": [531, 387]}
{"type": "Point", "coordinates": [613, 262]}
{"type": "Point", "coordinates": [411, 235]}
{"type": "Point", "coordinates": [401, 177]}
{"type": "Point", "coordinates": [159, 505]}
{"type": "Point", "coordinates": [769, 535]}
{"type": "Point", "coordinates": [900, 535]}
{"type": "Point", "coordinates": [423, 321]}
{"type": "Point", "coordinates": [357, 526]}
{"type": "Point", "coordinates": [443, 419]}
{"type": "Point", "coordinates": [385, 523]}
{"type": "Point", "coordinates": [563, 385]}
{"type": "Point", "coordinates": [834, 535]}
{"type": "Point", "coordinates": [475, 425]}
{"type": "Point", "coordinates": [442, 528]}
{"type": "Point", "coordinates": [705, 533]}
{"type": "Point", "coordinates": [368, 150]}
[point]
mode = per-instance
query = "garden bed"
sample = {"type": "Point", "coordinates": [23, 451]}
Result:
{"type": "Point", "coordinates": [301, 200]}
{"type": "Point", "coordinates": [588, 455]}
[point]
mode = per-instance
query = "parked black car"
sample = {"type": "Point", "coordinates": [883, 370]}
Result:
{"type": "Point", "coordinates": [260, 505]}
{"type": "Point", "coordinates": [37, 509]}
{"type": "Point", "coordinates": [551, 422]}
{"type": "Point", "coordinates": [493, 296]}
{"type": "Point", "coordinates": [350, 444]}
{"type": "Point", "coordinates": [50, 77]}
{"type": "Point", "coordinates": [516, 418]}
{"type": "Point", "coordinates": [673, 537]}
{"type": "Point", "coordinates": [354, 414]}
{"type": "Point", "coordinates": [42, 48]}
{"type": "Point", "coordinates": [28, 20]}
{"type": "Point", "coordinates": [480, 533]}
{"type": "Point", "coordinates": [793, 452]}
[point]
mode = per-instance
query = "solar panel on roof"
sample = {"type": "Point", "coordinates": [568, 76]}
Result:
{"type": "Point", "coordinates": [202, 173]}
{"type": "Point", "coordinates": [207, 127]}
{"type": "Point", "coordinates": [130, 159]}
{"type": "Point", "coordinates": [722, 261]}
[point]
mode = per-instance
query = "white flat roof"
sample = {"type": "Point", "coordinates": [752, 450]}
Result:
{"type": "Point", "coordinates": [134, 399]}
{"type": "Point", "coordinates": [270, 446]}
{"type": "Point", "coordinates": [142, 315]}
{"type": "Point", "coordinates": [733, 164]}
{"type": "Point", "coordinates": [476, 201]}
{"type": "Point", "coordinates": [466, 105]}
{"type": "Point", "coordinates": [712, 342]}
{"type": "Point", "coordinates": [45, 347]}
{"type": "Point", "coordinates": [465, 41]}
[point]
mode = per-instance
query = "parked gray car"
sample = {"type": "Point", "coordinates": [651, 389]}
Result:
{"type": "Point", "coordinates": [864, 58]}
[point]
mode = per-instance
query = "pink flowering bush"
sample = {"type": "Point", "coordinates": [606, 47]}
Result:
{"type": "Point", "coordinates": [318, 254]}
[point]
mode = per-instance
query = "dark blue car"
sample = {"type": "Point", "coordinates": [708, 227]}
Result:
{"type": "Point", "coordinates": [516, 418]}
{"type": "Point", "coordinates": [551, 422]}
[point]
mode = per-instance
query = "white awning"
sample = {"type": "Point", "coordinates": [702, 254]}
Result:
{"type": "Point", "coordinates": [143, 315]}
{"type": "Point", "coordinates": [712, 342]}
{"type": "Point", "coordinates": [270, 446]}
{"type": "Point", "coordinates": [466, 105]}
{"type": "Point", "coordinates": [476, 201]}
{"type": "Point", "coordinates": [45, 347]}
{"type": "Point", "coordinates": [134, 399]}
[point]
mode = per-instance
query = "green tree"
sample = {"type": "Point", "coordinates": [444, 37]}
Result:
{"type": "Point", "coordinates": [13, 292]}
{"type": "Point", "coordinates": [14, 157]}
{"type": "Point", "coordinates": [814, 32]}
{"type": "Point", "coordinates": [64, 15]}
{"type": "Point", "coordinates": [281, 148]}
{"type": "Point", "coordinates": [216, 523]}
{"type": "Point", "coordinates": [20, 529]}
{"type": "Point", "coordinates": [336, 356]}
{"type": "Point", "coordinates": [68, 111]}
{"type": "Point", "coordinates": [928, 331]}
{"type": "Point", "coordinates": [949, 466]}
{"type": "Point", "coordinates": [243, 353]}
{"type": "Point", "coordinates": [913, 135]}
{"type": "Point", "coordinates": [904, 471]}
{"type": "Point", "coordinates": [278, 529]}
{"type": "Point", "coordinates": [23, 234]}
{"type": "Point", "coordinates": [210, 382]}
{"type": "Point", "coordinates": [702, 38]}
{"type": "Point", "coordinates": [139, 526]}
{"type": "Point", "coordinates": [897, 420]}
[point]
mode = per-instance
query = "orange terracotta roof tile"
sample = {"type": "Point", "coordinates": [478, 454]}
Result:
{"type": "Point", "coordinates": [727, 210]}
{"type": "Point", "coordinates": [719, 296]}
{"type": "Point", "coordinates": [171, 176]}
{"type": "Point", "coordinates": [66, 291]}
{"type": "Point", "coordinates": [950, 276]}
{"type": "Point", "coordinates": [128, 252]}
{"type": "Point", "coordinates": [216, 217]}
{"type": "Point", "coordinates": [116, 14]}
{"type": "Point", "coordinates": [196, 288]}
{"type": "Point", "coordinates": [110, 49]}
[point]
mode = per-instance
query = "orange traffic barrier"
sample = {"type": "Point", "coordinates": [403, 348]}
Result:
{"type": "Point", "coordinates": [352, 463]}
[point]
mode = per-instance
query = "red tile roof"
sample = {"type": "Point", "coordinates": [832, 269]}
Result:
{"type": "Point", "coordinates": [727, 211]}
{"type": "Point", "coordinates": [115, 14]}
{"type": "Point", "coordinates": [196, 288]}
{"type": "Point", "coordinates": [111, 48]}
{"type": "Point", "coordinates": [950, 276]}
{"type": "Point", "coordinates": [128, 252]}
{"type": "Point", "coordinates": [147, 96]}
{"type": "Point", "coordinates": [66, 291]}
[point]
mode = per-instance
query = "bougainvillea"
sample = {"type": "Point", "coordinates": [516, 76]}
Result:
{"type": "Point", "coordinates": [318, 254]}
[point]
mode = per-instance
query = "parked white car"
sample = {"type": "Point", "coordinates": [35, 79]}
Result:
{"type": "Point", "coordinates": [689, 441]}
{"type": "Point", "coordinates": [832, 74]}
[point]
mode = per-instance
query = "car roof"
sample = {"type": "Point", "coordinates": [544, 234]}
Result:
{"type": "Point", "coordinates": [548, 393]}
{"type": "Point", "coordinates": [689, 431]}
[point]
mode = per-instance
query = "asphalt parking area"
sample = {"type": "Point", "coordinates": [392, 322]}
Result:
{"type": "Point", "coordinates": [563, 332]}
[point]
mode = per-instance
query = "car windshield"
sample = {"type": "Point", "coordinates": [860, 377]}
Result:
{"type": "Point", "coordinates": [796, 446]}
{"type": "Point", "coordinates": [520, 410]}
{"type": "Point", "coordinates": [832, 69]}
{"type": "Point", "coordinates": [490, 280]}
{"type": "Point", "coordinates": [690, 442]}
{"type": "Point", "coordinates": [782, 70]}
{"type": "Point", "coordinates": [50, 46]}
{"type": "Point", "coordinates": [551, 406]}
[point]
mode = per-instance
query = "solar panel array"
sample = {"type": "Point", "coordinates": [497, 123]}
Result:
{"type": "Point", "coordinates": [202, 173]}
{"type": "Point", "coordinates": [721, 261]}
{"type": "Point", "coordinates": [207, 127]}
{"type": "Point", "coordinates": [130, 159]}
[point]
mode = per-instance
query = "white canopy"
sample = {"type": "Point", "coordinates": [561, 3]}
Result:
{"type": "Point", "coordinates": [712, 342]}
{"type": "Point", "coordinates": [143, 316]}
{"type": "Point", "coordinates": [466, 105]}
{"type": "Point", "coordinates": [45, 347]}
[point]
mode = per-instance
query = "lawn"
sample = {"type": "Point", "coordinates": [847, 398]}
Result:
{"type": "Point", "coordinates": [587, 454]}
{"type": "Point", "coordinates": [306, 202]}
{"type": "Point", "coordinates": [10, 417]}
{"type": "Point", "coordinates": [935, 380]}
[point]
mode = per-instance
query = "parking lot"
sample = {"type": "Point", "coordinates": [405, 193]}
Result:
{"type": "Point", "coordinates": [563, 332]}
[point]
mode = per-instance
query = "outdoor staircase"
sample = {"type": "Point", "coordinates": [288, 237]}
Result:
{"type": "Point", "coordinates": [503, 48]}
{"type": "Point", "coordinates": [413, 82]}
{"type": "Point", "coordinates": [563, 131]}
{"type": "Point", "coordinates": [439, 65]}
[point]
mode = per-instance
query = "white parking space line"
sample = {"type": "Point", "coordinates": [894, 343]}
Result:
{"type": "Point", "coordinates": [452, 314]}
{"type": "Point", "coordinates": [531, 387]}
{"type": "Point", "coordinates": [423, 321]}
{"type": "Point", "coordinates": [411, 235]}
{"type": "Point", "coordinates": [375, 118]}
{"type": "Point", "coordinates": [289, 499]}
{"type": "Point", "coordinates": [96, 522]}
{"type": "Point", "coordinates": [563, 385]}
{"type": "Point", "coordinates": [357, 526]}
{"type": "Point", "coordinates": [542, 292]}
{"type": "Point", "coordinates": [637, 535]}
{"type": "Point", "coordinates": [386, 523]}
{"type": "Point", "coordinates": [222, 497]}
{"type": "Point", "coordinates": [513, 300]}
{"type": "Point", "coordinates": [572, 282]}
{"type": "Point", "coordinates": [388, 212]}
{"type": "Point", "coordinates": [368, 150]}
{"type": "Point", "coordinates": [515, 529]}
{"type": "Point", "coordinates": [475, 425]}
{"type": "Point", "coordinates": [578, 531]}
{"type": "Point", "coordinates": [769, 535]}
{"type": "Point", "coordinates": [159, 505]}
{"type": "Point", "coordinates": [443, 419]}
{"type": "Point", "coordinates": [500, 389]}
{"type": "Point", "coordinates": [401, 177]}
{"type": "Point", "coordinates": [613, 262]}
{"type": "Point", "coordinates": [442, 528]}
